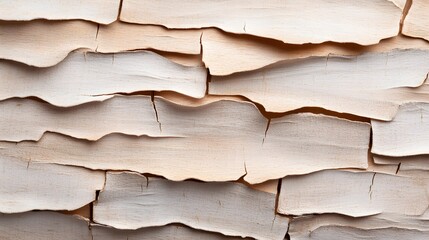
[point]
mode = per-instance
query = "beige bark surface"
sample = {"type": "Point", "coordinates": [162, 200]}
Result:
{"type": "Point", "coordinates": [367, 85]}
{"type": "Point", "coordinates": [120, 36]}
{"type": "Point", "coordinates": [44, 43]}
{"type": "Point", "coordinates": [91, 77]}
{"type": "Point", "coordinates": [418, 162]}
{"type": "Point", "coordinates": [218, 141]}
{"type": "Point", "coordinates": [354, 194]}
{"type": "Point", "coordinates": [350, 233]}
{"type": "Point", "coordinates": [101, 11]}
{"type": "Point", "coordinates": [305, 142]}
{"type": "Point", "coordinates": [304, 226]}
{"type": "Point", "coordinates": [42, 226]}
{"type": "Point", "coordinates": [417, 20]}
{"type": "Point", "coordinates": [288, 21]}
{"type": "Point", "coordinates": [176, 232]}
{"type": "Point", "coordinates": [131, 201]}
{"type": "Point", "coordinates": [405, 135]}
{"type": "Point", "coordinates": [246, 53]}
{"type": "Point", "coordinates": [26, 185]}
{"type": "Point", "coordinates": [25, 119]}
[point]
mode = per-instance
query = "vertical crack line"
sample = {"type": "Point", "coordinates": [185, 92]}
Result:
{"type": "Point", "coordinates": [152, 98]}
{"type": "Point", "coordinates": [266, 131]}
{"type": "Point", "coordinates": [276, 203]}
{"type": "Point", "coordinates": [119, 10]}
{"type": "Point", "coordinates": [326, 63]}
{"type": "Point", "coordinates": [91, 211]}
{"type": "Point", "coordinates": [98, 30]}
{"type": "Point", "coordinates": [370, 186]}
{"type": "Point", "coordinates": [245, 169]}
{"type": "Point", "coordinates": [208, 80]}
{"type": "Point", "coordinates": [90, 231]}
{"type": "Point", "coordinates": [404, 14]}
{"type": "Point", "coordinates": [279, 187]}
{"type": "Point", "coordinates": [201, 43]}
{"type": "Point", "coordinates": [96, 37]}
{"type": "Point", "coordinates": [244, 27]}
{"type": "Point", "coordinates": [399, 166]}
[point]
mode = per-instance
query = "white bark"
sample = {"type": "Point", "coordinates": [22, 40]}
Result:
{"type": "Point", "coordinates": [218, 141]}
{"type": "Point", "coordinates": [130, 201]}
{"type": "Point", "coordinates": [354, 194]}
{"type": "Point", "coordinates": [82, 78]}
{"type": "Point", "coordinates": [363, 85]}
{"type": "Point", "coordinates": [42, 226]}
{"type": "Point", "coordinates": [26, 185]}
{"type": "Point", "coordinates": [24, 119]}
{"type": "Point", "coordinates": [362, 21]}
{"type": "Point", "coordinates": [244, 53]}
{"type": "Point", "coordinates": [176, 232]}
{"type": "Point", "coordinates": [407, 163]}
{"type": "Point", "coordinates": [417, 20]}
{"type": "Point", "coordinates": [101, 11]}
{"type": "Point", "coordinates": [43, 43]}
{"type": "Point", "coordinates": [405, 135]}
{"type": "Point", "coordinates": [120, 36]}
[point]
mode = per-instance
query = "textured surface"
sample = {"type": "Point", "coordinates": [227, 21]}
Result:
{"type": "Point", "coordinates": [214, 119]}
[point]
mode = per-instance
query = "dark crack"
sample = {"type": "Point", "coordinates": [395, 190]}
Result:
{"type": "Point", "coordinates": [370, 186]}
{"type": "Point", "coordinates": [266, 130]}
{"type": "Point", "coordinates": [156, 112]}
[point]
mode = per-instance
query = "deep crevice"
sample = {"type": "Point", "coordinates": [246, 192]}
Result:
{"type": "Point", "coordinates": [152, 97]}
{"type": "Point", "coordinates": [404, 14]}
{"type": "Point", "coordinates": [119, 10]}
{"type": "Point", "coordinates": [266, 130]}
{"type": "Point", "coordinates": [370, 186]}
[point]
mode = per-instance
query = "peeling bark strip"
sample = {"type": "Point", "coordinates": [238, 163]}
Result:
{"type": "Point", "coordinates": [26, 186]}
{"type": "Point", "coordinates": [51, 41]}
{"type": "Point", "coordinates": [42, 226]}
{"type": "Point", "coordinates": [100, 11]}
{"type": "Point", "coordinates": [82, 78]}
{"type": "Point", "coordinates": [406, 134]}
{"type": "Point", "coordinates": [302, 227]}
{"type": "Point", "coordinates": [246, 53]}
{"type": "Point", "coordinates": [131, 201]}
{"type": "Point", "coordinates": [361, 85]}
{"type": "Point", "coordinates": [211, 142]}
{"type": "Point", "coordinates": [353, 194]}
{"type": "Point", "coordinates": [24, 119]}
{"type": "Point", "coordinates": [416, 23]}
{"type": "Point", "coordinates": [288, 21]}
{"type": "Point", "coordinates": [419, 162]}
{"type": "Point", "coordinates": [44, 43]}
{"type": "Point", "coordinates": [176, 232]}
{"type": "Point", "coordinates": [304, 143]}
{"type": "Point", "coordinates": [120, 36]}
{"type": "Point", "coordinates": [340, 232]}
{"type": "Point", "coordinates": [382, 226]}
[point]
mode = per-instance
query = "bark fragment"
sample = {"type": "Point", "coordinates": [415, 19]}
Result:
{"type": "Point", "coordinates": [334, 191]}
{"type": "Point", "coordinates": [210, 142]}
{"type": "Point", "coordinates": [27, 185]}
{"type": "Point", "coordinates": [416, 22]}
{"type": "Point", "coordinates": [229, 208]}
{"type": "Point", "coordinates": [405, 135]}
{"type": "Point", "coordinates": [371, 85]}
{"type": "Point", "coordinates": [82, 78]}
{"type": "Point", "coordinates": [290, 22]}
{"type": "Point", "coordinates": [100, 11]}
{"type": "Point", "coordinates": [42, 225]}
